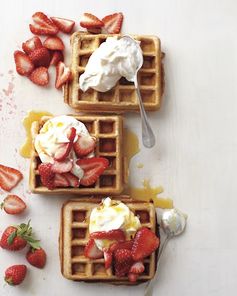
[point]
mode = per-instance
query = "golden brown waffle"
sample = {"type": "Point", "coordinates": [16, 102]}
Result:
{"type": "Point", "coordinates": [108, 131]}
{"type": "Point", "coordinates": [74, 235]}
{"type": "Point", "coordinates": [122, 97]}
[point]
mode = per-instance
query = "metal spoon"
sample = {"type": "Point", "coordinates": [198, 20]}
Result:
{"type": "Point", "coordinates": [173, 223]}
{"type": "Point", "coordinates": [148, 137]}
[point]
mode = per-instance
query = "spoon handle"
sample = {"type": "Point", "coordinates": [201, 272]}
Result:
{"type": "Point", "coordinates": [148, 137]}
{"type": "Point", "coordinates": [149, 287]}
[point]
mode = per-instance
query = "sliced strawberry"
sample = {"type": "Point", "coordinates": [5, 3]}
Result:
{"type": "Point", "coordinates": [113, 23]}
{"type": "Point", "coordinates": [108, 258]}
{"type": "Point", "coordinates": [62, 166]}
{"type": "Point", "coordinates": [61, 181]}
{"type": "Point", "coordinates": [63, 152]}
{"type": "Point", "coordinates": [132, 277]}
{"type": "Point", "coordinates": [46, 175]}
{"type": "Point", "coordinates": [57, 56]}
{"type": "Point", "coordinates": [84, 145]}
{"type": "Point", "coordinates": [121, 245]}
{"type": "Point", "coordinates": [13, 205]}
{"type": "Point", "coordinates": [31, 44]}
{"type": "Point", "coordinates": [93, 168]}
{"type": "Point", "coordinates": [94, 30]}
{"type": "Point", "coordinates": [54, 43]}
{"type": "Point", "coordinates": [64, 25]}
{"type": "Point", "coordinates": [137, 267]}
{"type": "Point", "coordinates": [145, 243]}
{"type": "Point", "coordinates": [40, 76]}
{"type": "Point", "coordinates": [43, 25]}
{"type": "Point", "coordinates": [9, 177]}
{"type": "Point", "coordinates": [63, 74]}
{"type": "Point", "coordinates": [115, 234]}
{"type": "Point", "coordinates": [40, 57]}
{"type": "Point", "coordinates": [91, 251]}
{"type": "Point", "coordinates": [90, 21]}
{"type": "Point", "coordinates": [123, 262]}
{"type": "Point", "coordinates": [73, 180]}
{"type": "Point", "coordinates": [24, 65]}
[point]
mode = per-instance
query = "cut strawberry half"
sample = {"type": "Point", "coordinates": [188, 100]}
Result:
{"type": "Point", "coordinates": [114, 234]}
{"type": "Point", "coordinates": [61, 181]}
{"type": "Point", "coordinates": [31, 44]}
{"type": "Point", "coordinates": [84, 145]}
{"type": "Point", "coordinates": [63, 152]}
{"type": "Point", "coordinates": [54, 43]}
{"type": "Point", "coordinates": [24, 65]}
{"type": "Point", "coordinates": [113, 23]}
{"type": "Point", "coordinates": [91, 251]}
{"type": "Point", "coordinates": [73, 180]}
{"type": "Point", "coordinates": [13, 205]}
{"type": "Point", "coordinates": [40, 57]}
{"type": "Point", "coordinates": [9, 177]}
{"type": "Point", "coordinates": [40, 76]}
{"type": "Point", "coordinates": [63, 74]}
{"type": "Point", "coordinates": [57, 56]}
{"type": "Point", "coordinates": [43, 25]}
{"type": "Point", "coordinates": [93, 168]}
{"type": "Point", "coordinates": [137, 267]}
{"type": "Point", "coordinates": [46, 175]}
{"type": "Point", "coordinates": [90, 21]}
{"type": "Point", "coordinates": [108, 256]}
{"type": "Point", "coordinates": [64, 25]}
{"type": "Point", "coordinates": [121, 245]}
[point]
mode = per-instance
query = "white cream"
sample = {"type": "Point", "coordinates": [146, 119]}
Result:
{"type": "Point", "coordinates": [115, 58]}
{"type": "Point", "coordinates": [113, 215]}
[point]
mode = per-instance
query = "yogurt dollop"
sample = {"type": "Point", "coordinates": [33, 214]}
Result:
{"type": "Point", "coordinates": [113, 215]}
{"type": "Point", "coordinates": [115, 58]}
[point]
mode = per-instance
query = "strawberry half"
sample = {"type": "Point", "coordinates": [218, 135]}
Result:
{"type": "Point", "coordinates": [13, 205]}
{"type": "Point", "coordinates": [121, 245]}
{"type": "Point", "coordinates": [63, 74]}
{"type": "Point", "coordinates": [46, 175]}
{"type": "Point", "coordinates": [113, 23]}
{"type": "Point", "coordinates": [145, 243]}
{"type": "Point", "coordinates": [123, 262]}
{"type": "Point", "coordinates": [91, 251]}
{"type": "Point", "coordinates": [84, 145]}
{"type": "Point", "coordinates": [15, 274]}
{"type": "Point", "coordinates": [90, 21]}
{"type": "Point", "coordinates": [64, 25]}
{"type": "Point", "coordinates": [40, 76]}
{"type": "Point", "coordinates": [9, 177]}
{"type": "Point", "coordinates": [31, 44]}
{"type": "Point", "coordinates": [93, 168]}
{"type": "Point", "coordinates": [72, 179]}
{"type": "Point", "coordinates": [40, 57]}
{"type": "Point", "coordinates": [36, 257]}
{"type": "Point", "coordinates": [61, 181]}
{"type": "Point", "coordinates": [114, 234]}
{"type": "Point", "coordinates": [62, 166]}
{"type": "Point", "coordinates": [24, 65]}
{"type": "Point", "coordinates": [137, 267]}
{"type": "Point", "coordinates": [63, 152]}
{"type": "Point", "coordinates": [42, 25]}
{"type": "Point", "coordinates": [57, 56]}
{"type": "Point", "coordinates": [54, 43]}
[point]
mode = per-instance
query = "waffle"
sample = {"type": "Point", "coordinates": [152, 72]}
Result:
{"type": "Point", "coordinates": [108, 131]}
{"type": "Point", "coordinates": [122, 97]}
{"type": "Point", "coordinates": [74, 235]}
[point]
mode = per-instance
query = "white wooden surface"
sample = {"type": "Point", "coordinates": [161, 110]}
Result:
{"type": "Point", "coordinates": [195, 158]}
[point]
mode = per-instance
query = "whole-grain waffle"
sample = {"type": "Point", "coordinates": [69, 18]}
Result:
{"type": "Point", "coordinates": [122, 97]}
{"type": "Point", "coordinates": [108, 131]}
{"type": "Point", "coordinates": [74, 235]}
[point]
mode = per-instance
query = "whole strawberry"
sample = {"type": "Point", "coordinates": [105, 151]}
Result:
{"type": "Point", "coordinates": [15, 238]}
{"type": "Point", "coordinates": [15, 274]}
{"type": "Point", "coordinates": [36, 257]}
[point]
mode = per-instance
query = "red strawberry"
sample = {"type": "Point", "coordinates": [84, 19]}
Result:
{"type": "Point", "coordinates": [31, 44]}
{"type": "Point", "coordinates": [93, 168]}
{"type": "Point", "coordinates": [36, 257]}
{"type": "Point", "coordinates": [91, 251]}
{"type": "Point", "coordinates": [61, 181]}
{"type": "Point", "coordinates": [72, 179]}
{"type": "Point", "coordinates": [57, 56]}
{"type": "Point", "coordinates": [84, 145]}
{"type": "Point", "coordinates": [24, 65]}
{"type": "Point", "coordinates": [137, 267]}
{"type": "Point", "coordinates": [90, 21]}
{"type": "Point", "coordinates": [108, 258]}
{"type": "Point", "coordinates": [40, 76]}
{"type": "Point", "coordinates": [13, 205]}
{"type": "Point", "coordinates": [15, 274]}
{"type": "Point", "coordinates": [42, 25]}
{"type": "Point", "coordinates": [115, 234]}
{"type": "Point", "coordinates": [9, 177]}
{"type": "Point", "coordinates": [113, 23]}
{"type": "Point", "coordinates": [62, 166]}
{"type": "Point", "coordinates": [63, 24]}
{"type": "Point", "coordinates": [40, 57]}
{"type": "Point", "coordinates": [121, 245]}
{"type": "Point", "coordinates": [132, 277]}
{"type": "Point", "coordinates": [63, 74]}
{"type": "Point", "coordinates": [46, 175]}
{"type": "Point", "coordinates": [123, 262]}
{"type": "Point", "coordinates": [63, 152]}
{"type": "Point", "coordinates": [145, 243]}
{"type": "Point", "coordinates": [94, 30]}
{"type": "Point", "coordinates": [54, 43]}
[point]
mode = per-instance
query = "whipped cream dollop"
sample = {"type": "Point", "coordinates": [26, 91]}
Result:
{"type": "Point", "coordinates": [113, 215]}
{"type": "Point", "coordinates": [115, 58]}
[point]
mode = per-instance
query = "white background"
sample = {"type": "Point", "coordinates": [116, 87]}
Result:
{"type": "Point", "coordinates": [195, 157]}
